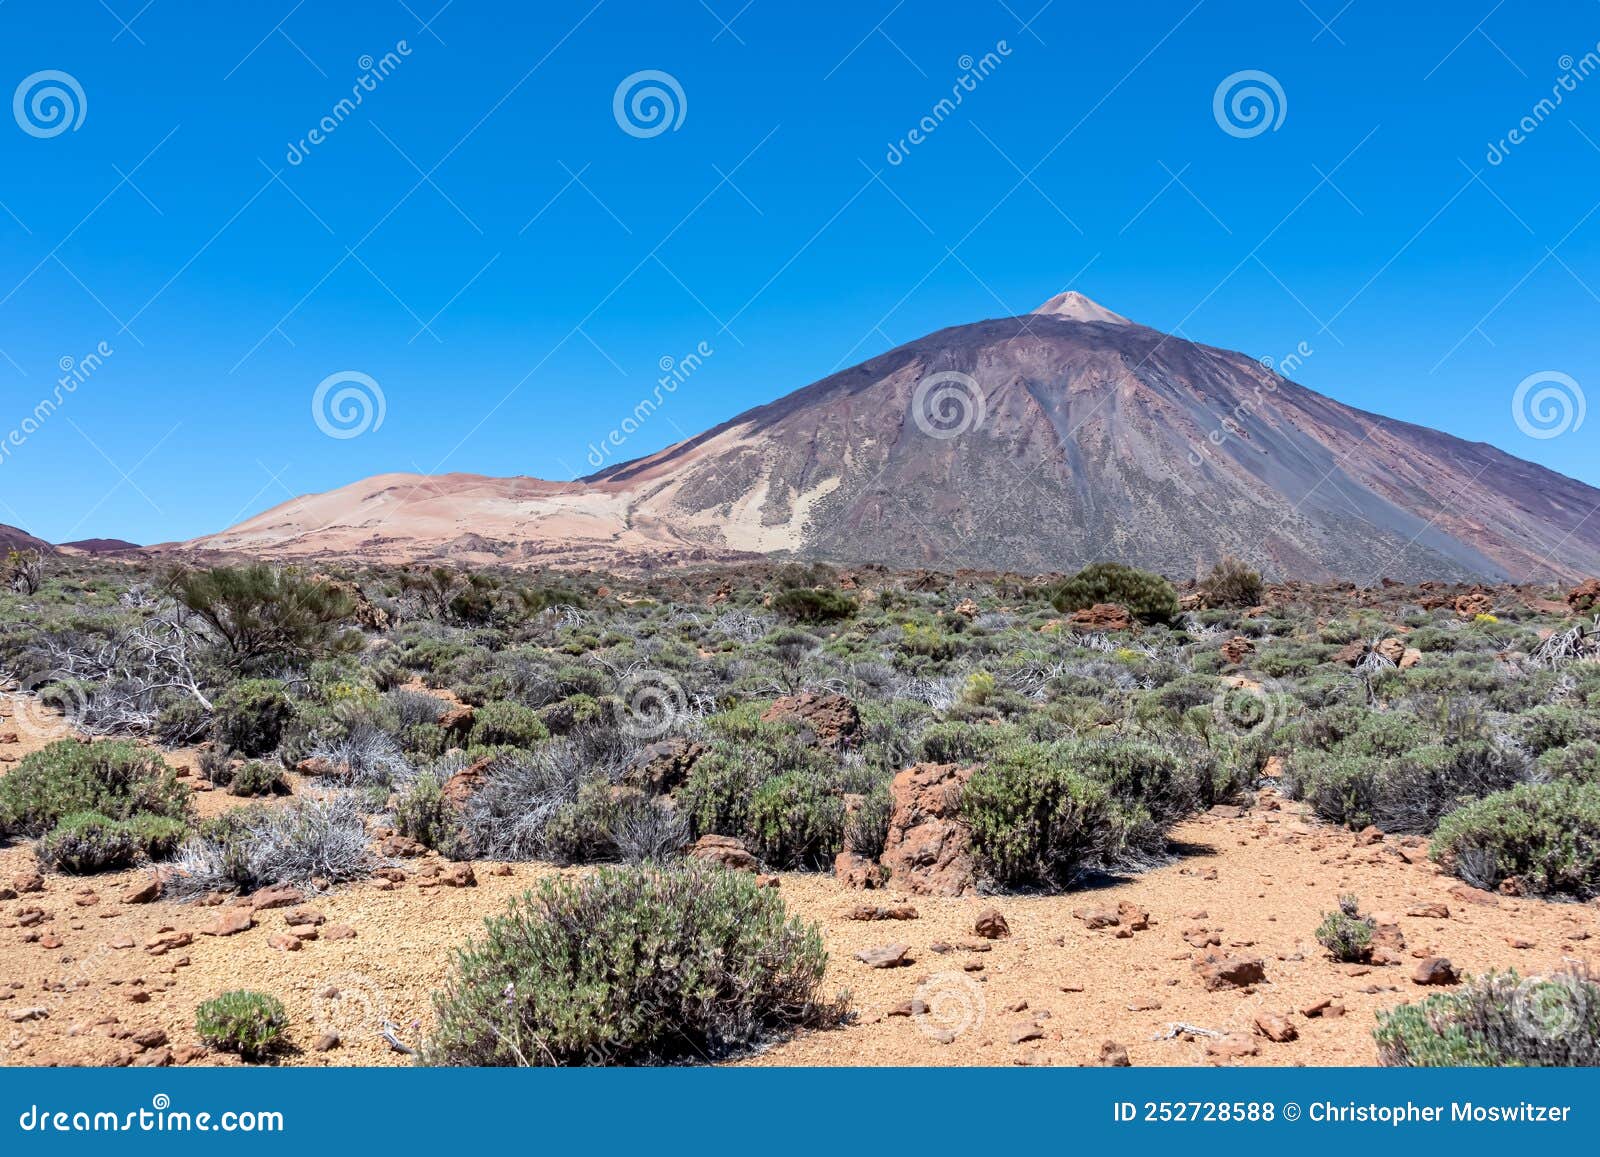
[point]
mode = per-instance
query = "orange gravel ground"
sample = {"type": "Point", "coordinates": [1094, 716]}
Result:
{"type": "Point", "coordinates": [1275, 873]}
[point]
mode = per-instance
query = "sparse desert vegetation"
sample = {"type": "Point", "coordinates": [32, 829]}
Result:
{"type": "Point", "coordinates": [688, 804]}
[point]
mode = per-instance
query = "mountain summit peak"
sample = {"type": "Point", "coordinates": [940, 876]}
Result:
{"type": "Point", "coordinates": [1074, 306]}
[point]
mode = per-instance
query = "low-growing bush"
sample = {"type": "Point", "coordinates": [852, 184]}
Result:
{"type": "Point", "coordinates": [630, 967]}
{"type": "Point", "coordinates": [797, 821]}
{"type": "Point", "coordinates": [258, 778]}
{"type": "Point", "coordinates": [422, 813]}
{"type": "Point", "coordinates": [251, 717]}
{"type": "Point", "coordinates": [1231, 584]}
{"type": "Point", "coordinates": [118, 780]}
{"type": "Point", "coordinates": [1347, 934]}
{"type": "Point", "coordinates": [1042, 815]}
{"type": "Point", "coordinates": [1546, 835]}
{"type": "Point", "coordinates": [260, 613]}
{"type": "Point", "coordinates": [251, 1024]}
{"type": "Point", "coordinates": [259, 846]}
{"type": "Point", "coordinates": [1147, 597]}
{"type": "Point", "coordinates": [1408, 792]}
{"type": "Point", "coordinates": [806, 605]}
{"type": "Point", "coordinates": [84, 843]}
{"type": "Point", "coordinates": [1499, 1020]}
{"type": "Point", "coordinates": [507, 724]}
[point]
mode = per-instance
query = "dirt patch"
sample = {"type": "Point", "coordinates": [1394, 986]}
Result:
{"type": "Point", "coordinates": [1050, 992]}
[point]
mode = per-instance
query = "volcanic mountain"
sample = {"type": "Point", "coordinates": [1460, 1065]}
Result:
{"type": "Point", "coordinates": [13, 539]}
{"type": "Point", "coordinates": [1034, 443]}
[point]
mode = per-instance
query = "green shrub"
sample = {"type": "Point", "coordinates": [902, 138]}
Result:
{"type": "Point", "coordinates": [251, 1024]}
{"type": "Point", "coordinates": [251, 717]}
{"type": "Point", "coordinates": [805, 605]}
{"type": "Point", "coordinates": [117, 780]}
{"type": "Point", "coordinates": [84, 843]}
{"type": "Point", "coordinates": [505, 723]}
{"type": "Point", "coordinates": [1041, 815]}
{"type": "Point", "coordinates": [962, 743]}
{"type": "Point", "coordinates": [1148, 597]}
{"type": "Point", "coordinates": [1500, 1021]}
{"type": "Point", "coordinates": [797, 821]}
{"type": "Point", "coordinates": [1347, 934]}
{"type": "Point", "coordinates": [1547, 835]}
{"type": "Point", "coordinates": [628, 967]}
{"type": "Point", "coordinates": [1551, 726]}
{"type": "Point", "coordinates": [257, 778]}
{"type": "Point", "coordinates": [1231, 584]}
{"type": "Point", "coordinates": [261, 613]}
{"type": "Point", "coordinates": [718, 793]}
{"type": "Point", "coordinates": [423, 814]}
{"type": "Point", "coordinates": [1409, 792]}
{"type": "Point", "coordinates": [1579, 761]}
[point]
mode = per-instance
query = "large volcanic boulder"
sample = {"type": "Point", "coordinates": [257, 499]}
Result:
{"type": "Point", "coordinates": [929, 849]}
{"type": "Point", "coordinates": [661, 768]}
{"type": "Point", "coordinates": [1103, 617]}
{"type": "Point", "coordinates": [832, 719]}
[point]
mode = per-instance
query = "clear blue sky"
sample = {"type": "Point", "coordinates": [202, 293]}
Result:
{"type": "Point", "coordinates": [515, 305]}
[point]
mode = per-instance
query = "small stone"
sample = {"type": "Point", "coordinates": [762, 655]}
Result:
{"type": "Point", "coordinates": [867, 912]}
{"type": "Point", "coordinates": [269, 898]}
{"type": "Point", "coordinates": [1221, 972]}
{"type": "Point", "coordinates": [991, 925]}
{"type": "Point", "coordinates": [1112, 1056]}
{"type": "Point", "coordinates": [338, 932]}
{"type": "Point", "coordinates": [326, 1043]}
{"type": "Point", "coordinates": [1435, 971]}
{"type": "Point", "coordinates": [889, 956]}
{"type": "Point", "coordinates": [284, 942]}
{"type": "Point", "coordinates": [1025, 1032]}
{"type": "Point", "coordinates": [145, 891]}
{"type": "Point", "coordinates": [458, 876]}
{"type": "Point", "coordinates": [28, 882]}
{"type": "Point", "coordinates": [1232, 1047]}
{"type": "Point", "coordinates": [149, 1038]}
{"type": "Point", "coordinates": [231, 922]}
{"type": "Point", "coordinates": [1275, 1028]}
